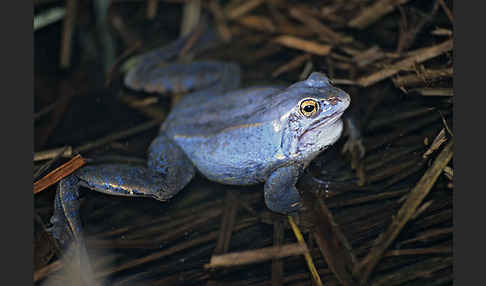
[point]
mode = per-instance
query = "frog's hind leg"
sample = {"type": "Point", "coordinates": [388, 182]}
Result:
{"type": "Point", "coordinates": [167, 172]}
{"type": "Point", "coordinates": [281, 195]}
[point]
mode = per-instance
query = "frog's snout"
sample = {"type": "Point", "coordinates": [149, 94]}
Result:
{"type": "Point", "coordinates": [340, 100]}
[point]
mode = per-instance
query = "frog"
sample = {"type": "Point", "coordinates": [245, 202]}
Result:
{"type": "Point", "coordinates": [230, 135]}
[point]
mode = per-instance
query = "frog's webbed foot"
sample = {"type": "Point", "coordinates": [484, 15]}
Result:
{"type": "Point", "coordinates": [354, 142]}
{"type": "Point", "coordinates": [354, 146]}
{"type": "Point", "coordinates": [281, 195]}
{"type": "Point", "coordinates": [168, 171]}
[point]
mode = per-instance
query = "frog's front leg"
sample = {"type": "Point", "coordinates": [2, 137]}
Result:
{"type": "Point", "coordinates": [281, 195]}
{"type": "Point", "coordinates": [167, 172]}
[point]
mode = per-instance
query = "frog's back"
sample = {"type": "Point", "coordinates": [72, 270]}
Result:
{"type": "Point", "coordinates": [202, 114]}
{"type": "Point", "coordinates": [230, 137]}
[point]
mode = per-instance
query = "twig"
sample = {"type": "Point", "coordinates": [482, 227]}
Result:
{"type": "Point", "coordinates": [342, 81]}
{"type": "Point", "coordinates": [220, 20]}
{"type": "Point", "coordinates": [52, 153]}
{"type": "Point", "coordinates": [405, 213]}
{"type": "Point", "coordinates": [191, 15]}
{"type": "Point", "coordinates": [257, 22]}
{"type": "Point", "coordinates": [373, 13]}
{"type": "Point", "coordinates": [439, 139]}
{"type": "Point", "coordinates": [151, 9]}
{"type": "Point", "coordinates": [308, 259]}
{"type": "Point", "coordinates": [434, 91]}
{"type": "Point", "coordinates": [418, 251]}
{"type": "Point", "coordinates": [417, 56]}
{"type": "Point", "coordinates": [325, 33]}
{"type": "Point", "coordinates": [408, 36]}
{"type": "Point", "coordinates": [48, 17]}
{"type": "Point", "coordinates": [244, 8]}
{"type": "Point", "coordinates": [46, 270]}
{"type": "Point", "coordinates": [441, 32]}
{"type": "Point", "coordinates": [43, 168]}
{"type": "Point", "coordinates": [368, 56]}
{"type": "Point", "coordinates": [423, 77]}
{"type": "Point", "coordinates": [447, 11]}
{"type": "Point", "coordinates": [67, 33]}
{"type": "Point", "coordinates": [59, 173]}
{"type": "Point", "coordinates": [427, 235]}
{"type": "Point", "coordinates": [191, 42]}
{"type": "Point", "coordinates": [304, 45]}
{"type": "Point", "coordinates": [255, 256]}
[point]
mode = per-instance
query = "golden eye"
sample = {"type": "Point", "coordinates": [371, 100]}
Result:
{"type": "Point", "coordinates": [309, 107]}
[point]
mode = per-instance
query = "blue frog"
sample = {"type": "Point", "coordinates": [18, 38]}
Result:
{"type": "Point", "coordinates": [265, 134]}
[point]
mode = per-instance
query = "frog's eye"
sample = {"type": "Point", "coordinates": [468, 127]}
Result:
{"type": "Point", "coordinates": [309, 107]}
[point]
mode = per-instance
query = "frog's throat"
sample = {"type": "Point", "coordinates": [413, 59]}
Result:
{"type": "Point", "coordinates": [328, 120]}
{"type": "Point", "coordinates": [314, 142]}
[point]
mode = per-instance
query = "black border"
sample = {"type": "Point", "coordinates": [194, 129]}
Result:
{"type": "Point", "coordinates": [17, 138]}
{"type": "Point", "coordinates": [469, 170]}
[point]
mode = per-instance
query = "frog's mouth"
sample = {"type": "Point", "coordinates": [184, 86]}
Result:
{"type": "Point", "coordinates": [327, 120]}
{"type": "Point", "coordinates": [321, 134]}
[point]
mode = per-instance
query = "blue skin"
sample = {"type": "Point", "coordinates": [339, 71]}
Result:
{"type": "Point", "coordinates": [232, 136]}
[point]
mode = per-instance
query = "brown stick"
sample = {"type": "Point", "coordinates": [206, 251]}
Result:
{"type": "Point", "coordinates": [304, 45]}
{"type": "Point", "coordinates": [257, 255]}
{"type": "Point", "coordinates": [52, 153]}
{"type": "Point", "coordinates": [422, 77]}
{"type": "Point", "coordinates": [46, 270]}
{"type": "Point", "coordinates": [434, 91]}
{"type": "Point", "coordinates": [151, 9]}
{"type": "Point", "coordinates": [417, 56]}
{"type": "Point", "coordinates": [243, 9]}
{"type": "Point", "coordinates": [419, 251]}
{"type": "Point", "coordinates": [447, 11]}
{"type": "Point", "coordinates": [324, 32]}
{"type": "Point", "coordinates": [428, 235]}
{"type": "Point", "coordinates": [59, 173]}
{"type": "Point", "coordinates": [373, 13]}
{"type": "Point", "coordinates": [220, 20]}
{"type": "Point", "coordinates": [258, 23]}
{"type": "Point", "coordinates": [405, 213]}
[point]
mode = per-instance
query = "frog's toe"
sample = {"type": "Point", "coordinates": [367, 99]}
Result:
{"type": "Point", "coordinates": [354, 146]}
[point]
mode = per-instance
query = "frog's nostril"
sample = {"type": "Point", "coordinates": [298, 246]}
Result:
{"type": "Point", "coordinates": [334, 100]}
